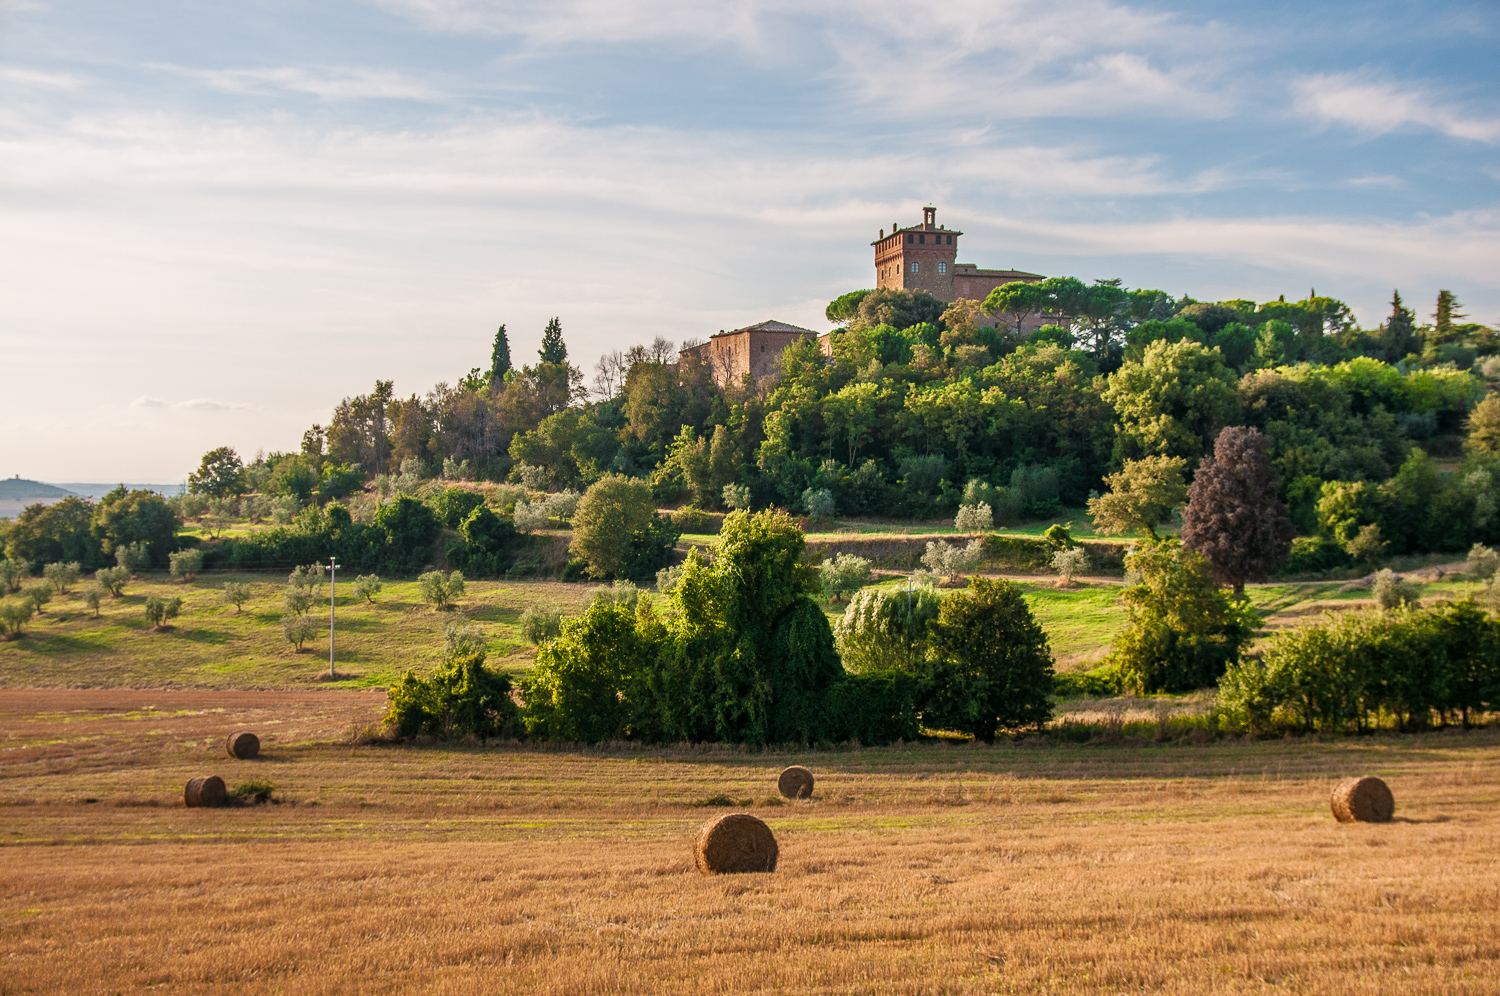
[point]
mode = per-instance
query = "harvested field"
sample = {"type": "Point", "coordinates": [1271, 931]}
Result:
{"type": "Point", "coordinates": [930, 869]}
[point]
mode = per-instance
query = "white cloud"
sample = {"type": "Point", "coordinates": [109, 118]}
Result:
{"type": "Point", "coordinates": [37, 79]}
{"type": "Point", "coordinates": [145, 401]}
{"type": "Point", "coordinates": [331, 82]}
{"type": "Point", "coordinates": [192, 404]}
{"type": "Point", "coordinates": [1379, 107]}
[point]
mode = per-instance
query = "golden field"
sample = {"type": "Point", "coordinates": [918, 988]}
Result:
{"type": "Point", "coordinates": [1169, 868]}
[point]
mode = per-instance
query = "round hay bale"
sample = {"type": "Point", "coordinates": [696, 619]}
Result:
{"type": "Point", "coordinates": [1362, 800]}
{"type": "Point", "coordinates": [206, 793]}
{"type": "Point", "coordinates": [735, 842]}
{"type": "Point", "coordinates": [242, 744]}
{"type": "Point", "coordinates": [796, 782]}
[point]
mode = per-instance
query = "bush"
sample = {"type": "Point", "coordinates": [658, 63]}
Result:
{"type": "Point", "coordinates": [112, 579]}
{"type": "Point", "coordinates": [531, 516]}
{"type": "Point", "coordinates": [1069, 563]}
{"type": "Point", "coordinates": [1036, 489]}
{"type": "Point", "coordinates": [974, 518]}
{"type": "Point", "coordinates": [693, 519]}
{"type": "Point", "coordinates": [1315, 555]}
{"type": "Point", "coordinates": [439, 591]}
{"type": "Point", "coordinates": [1393, 591]}
{"type": "Point", "coordinates": [736, 497]}
{"type": "Point", "coordinates": [885, 630]}
{"type": "Point", "coordinates": [15, 615]}
{"type": "Point", "coordinates": [1184, 631]}
{"type": "Point", "coordinates": [236, 593]}
{"type": "Point", "coordinates": [952, 562]}
{"type": "Point", "coordinates": [538, 625]}
{"type": "Point", "coordinates": [38, 595]}
{"type": "Point", "coordinates": [186, 563]}
{"type": "Point", "coordinates": [618, 592]}
{"type": "Point", "coordinates": [159, 610]}
{"type": "Point", "coordinates": [456, 470]}
{"type": "Point", "coordinates": [298, 629]}
{"type": "Point", "coordinates": [989, 667]}
{"type": "Point", "coordinates": [667, 577]}
{"type": "Point", "coordinates": [93, 596]}
{"type": "Point", "coordinates": [563, 504]}
{"type": "Point", "coordinates": [367, 586]}
{"type": "Point", "coordinates": [453, 505]}
{"type": "Point", "coordinates": [463, 698]}
{"type": "Point", "coordinates": [843, 574]}
{"type": "Point", "coordinates": [1482, 563]}
{"type": "Point", "coordinates": [1103, 681]}
{"type": "Point", "coordinates": [1348, 670]}
{"type": "Point", "coordinates": [132, 557]}
{"type": "Point", "coordinates": [410, 529]}
{"type": "Point", "coordinates": [12, 573]}
{"type": "Point", "coordinates": [63, 575]}
{"type": "Point", "coordinates": [820, 504]}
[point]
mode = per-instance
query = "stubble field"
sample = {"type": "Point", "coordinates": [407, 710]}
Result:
{"type": "Point", "coordinates": [917, 869]}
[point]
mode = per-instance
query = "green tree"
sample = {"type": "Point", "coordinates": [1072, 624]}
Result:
{"type": "Point", "coordinates": [440, 591]}
{"type": "Point", "coordinates": [62, 575]}
{"type": "Point", "coordinates": [1444, 317]}
{"type": "Point", "coordinates": [1398, 336]}
{"type": "Point", "coordinates": [883, 629]}
{"type": "Point", "coordinates": [1484, 426]}
{"type": "Point", "coordinates": [553, 350]}
{"type": "Point", "coordinates": [988, 667]}
{"type": "Point", "coordinates": [1184, 630]}
{"type": "Point", "coordinates": [220, 474]}
{"type": "Point", "coordinates": [617, 531]}
{"type": "Point", "coordinates": [410, 528]}
{"type": "Point", "coordinates": [367, 586]}
{"type": "Point", "coordinates": [1172, 402]}
{"type": "Point", "coordinates": [1141, 495]}
{"type": "Point", "coordinates": [63, 531]}
{"type": "Point", "coordinates": [573, 691]}
{"type": "Point", "coordinates": [185, 564]}
{"type": "Point", "coordinates": [499, 357]}
{"type": "Point", "coordinates": [159, 610]}
{"type": "Point", "coordinates": [1019, 300]}
{"type": "Point", "coordinates": [124, 518]}
{"type": "Point", "coordinates": [237, 593]}
{"type": "Point", "coordinates": [294, 476]}
{"type": "Point", "coordinates": [843, 309]}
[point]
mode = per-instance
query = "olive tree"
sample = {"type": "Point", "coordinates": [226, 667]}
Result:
{"type": "Point", "coordinates": [440, 591]}
{"type": "Point", "coordinates": [62, 575]}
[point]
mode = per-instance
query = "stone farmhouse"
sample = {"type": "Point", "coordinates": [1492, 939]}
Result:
{"type": "Point", "coordinates": [918, 258]}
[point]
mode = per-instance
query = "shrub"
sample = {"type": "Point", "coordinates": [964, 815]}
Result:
{"type": "Point", "coordinates": [1036, 488]}
{"type": "Point", "coordinates": [1482, 563]}
{"type": "Point", "coordinates": [132, 557]}
{"type": "Point", "coordinates": [456, 470]}
{"type": "Point", "coordinates": [1367, 547]}
{"type": "Point", "coordinates": [15, 615]}
{"type": "Point", "coordinates": [1184, 630]}
{"type": "Point", "coordinates": [12, 573]}
{"type": "Point", "coordinates": [298, 629]}
{"type": "Point", "coordinates": [38, 595]}
{"type": "Point", "coordinates": [185, 563]}
{"type": "Point", "coordinates": [112, 579]}
{"type": "Point", "coordinates": [667, 577]}
{"type": "Point", "coordinates": [463, 698]}
{"type": "Point", "coordinates": [843, 574]}
{"type": "Point", "coordinates": [736, 497]}
{"type": "Point", "coordinates": [410, 528]}
{"type": "Point", "coordinates": [63, 575]}
{"type": "Point", "coordinates": [884, 629]}
{"type": "Point", "coordinates": [236, 593]}
{"type": "Point", "coordinates": [618, 592]}
{"type": "Point", "coordinates": [1069, 563]}
{"type": "Point", "coordinates": [819, 504]}
{"type": "Point", "coordinates": [93, 596]}
{"type": "Point", "coordinates": [441, 592]}
{"type": "Point", "coordinates": [952, 562]}
{"type": "Point", "coordinates": [159, 610]}
{"type": "Point", "coordinates": [538, 625]}
{"type": "Point", "coordinates": [974, 518]}
{"type": "Point", "coordinates": [563, 504]}
{"type": "Point", "coordinates": [573, 690]}
{"type": "Point", "coordinates": [367, 586]}
{"type": "Point", "coordinates": [693, 519]}
{"type": "Point", "coordinates": [453, 505]}
{"type": "Point", "coordinates": [256, 792]}
{"type": "Point", "coordinates": [1104, 680]}
{"type": "Point", "coordinates": [1392, 590]}
{"type": "Point", "coordinates": [989, 667]}
{"type": "Point", "coordinates": [531, 516]}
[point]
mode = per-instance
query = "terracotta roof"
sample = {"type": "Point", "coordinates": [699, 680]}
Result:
{"type": "Point", "coordinates": [769, 325]}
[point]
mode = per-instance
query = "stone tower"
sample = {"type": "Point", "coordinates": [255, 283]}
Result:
{"type": "Point", "coordinates": [917, 258]}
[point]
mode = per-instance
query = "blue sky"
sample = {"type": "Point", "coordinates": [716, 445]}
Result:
{"type": "Point", "coordinates": [220, 219]}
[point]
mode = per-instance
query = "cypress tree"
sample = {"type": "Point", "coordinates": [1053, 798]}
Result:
{"type": "Point", "coordinates": [1400, 334]}
{"type": "Point", "coordinates": [500, 357]}
{"type": "Point", "coordinates": [1447, 313]}
{"type": "Point", "coordinates": [553, 350]}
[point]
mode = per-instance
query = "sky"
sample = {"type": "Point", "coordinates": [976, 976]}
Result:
{"type": "Point", "coordinates": [217, 220]}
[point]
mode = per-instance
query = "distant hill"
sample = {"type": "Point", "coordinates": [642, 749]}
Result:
{"type": "Point", "coordinates": [17, 489]}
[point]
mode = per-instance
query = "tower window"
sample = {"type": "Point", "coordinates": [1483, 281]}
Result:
{"type": "Point", "coordinates": [922, 239]}
{"type": "Point", "coordinates": [762, 347]}
{"type": "Point", "coordinates": [942, 267]}
{"type": "Point", "coordinates": [914, 266]}
{"type": "Point", "coordinates": [950, 240]}
{"type": "Point", "coordinates": [910, 238]}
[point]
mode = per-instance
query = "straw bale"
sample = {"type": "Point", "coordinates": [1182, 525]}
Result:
{"type": "Point", "coordinates": [1362, 800]}
{"type": "Point", "coordinates": [735, 842]}
{"type": "Point", "coordinates": [796, 782]}
{"type": "Point", "coordinates": [242, 744]}
{"type": "Point", "coordinates": [206, 792]}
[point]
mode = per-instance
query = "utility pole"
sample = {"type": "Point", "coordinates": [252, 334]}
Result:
{"type": "Point", "coordinates": [333, 586]}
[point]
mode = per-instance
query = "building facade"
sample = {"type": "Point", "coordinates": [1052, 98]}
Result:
{"type": "Point", "coordinates": [752, 350]}
{"type": "Point", "coordinates": [924, 258]}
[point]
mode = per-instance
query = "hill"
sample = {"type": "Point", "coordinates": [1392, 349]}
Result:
{"type": "Point", "coordinates": [20, 489]}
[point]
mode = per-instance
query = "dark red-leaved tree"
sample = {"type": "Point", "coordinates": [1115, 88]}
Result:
{"type": "Point", "coordinates": [1235, 516]}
